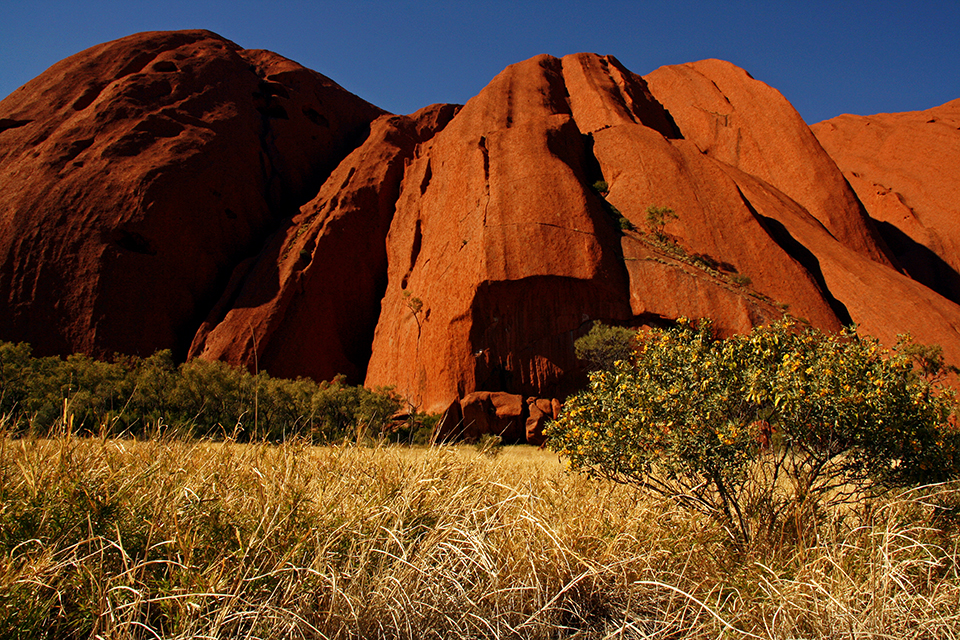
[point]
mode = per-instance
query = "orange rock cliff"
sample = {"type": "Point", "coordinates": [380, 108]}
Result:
{"type": "Point", "coordinates": [172, 190]}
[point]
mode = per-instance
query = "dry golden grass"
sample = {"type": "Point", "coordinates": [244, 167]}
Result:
{"type": "Point", "coordinates": [124, 539]}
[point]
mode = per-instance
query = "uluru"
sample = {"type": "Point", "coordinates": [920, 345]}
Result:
{"type": "Point", "coordinates": [172, 190]}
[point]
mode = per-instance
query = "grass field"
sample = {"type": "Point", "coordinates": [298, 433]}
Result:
{"type": "Point", "coordinates": [175, 539]}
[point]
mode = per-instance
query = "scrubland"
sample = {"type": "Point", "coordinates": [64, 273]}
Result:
{"type": "Point", "coordinates": [123, 538]}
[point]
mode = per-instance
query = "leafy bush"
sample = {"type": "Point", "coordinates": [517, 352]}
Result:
{"type": "Point", "coordinates": [343, 411]}
{"type": "Point", "coordinates": [761, 430]}
{"type": "Point", "coordinates": [741, 280]}
{"type": "Point", "coordinates": [89, 392]}
{"type": "Point", "coordinates": [657, 218]}
{"type": "Point", "coordinates": [139, 396]}
{"type": "Point", "coordinates": [489, 445]}
{"type": "Point", "coordinates": [604, 345]}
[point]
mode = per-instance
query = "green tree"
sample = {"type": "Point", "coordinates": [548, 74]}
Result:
{"type": "Point", "coordinates": [15, 373]}
{"type": "Point", "coordinates": [657, 218]}
{"type": "Point", "coordinates": [758, 431]}
{"type": "Point", "coordinates": [344, 411]}
{"type": "Point", "coordinates": [147, 396]}
{"type": "Point", "coordinates": [604, 345]}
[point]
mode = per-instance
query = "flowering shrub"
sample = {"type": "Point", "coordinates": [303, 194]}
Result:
{"type": "Point", "coordinates": [761, 429]}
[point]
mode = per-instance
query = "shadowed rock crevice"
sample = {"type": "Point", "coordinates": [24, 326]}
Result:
{"type": "Point", "coordinates": [486, 159]}
{"type": "Point", "coordinates": [427, 175]}
{"type": "Point", "coordinates": [793, 248]}
{"type": "Point", "coordinates": [136, 64]}
{"type": "Point", "coordinates": [67, 152]}
{"type": "Point", "coordinates": [315, 117]}
{"type": "Point", "coordinates": [591, 165]}
{"type": "Point", "coordinates": [922, 263]}
{"type": "Point", "coordinates": [12, 123]}
{"type": "Point", "coordinates": [414, 251]}
{"type": "Point", "coordinates": [90, 94]}
{"type": "Point", "coordinates": [133, 241]}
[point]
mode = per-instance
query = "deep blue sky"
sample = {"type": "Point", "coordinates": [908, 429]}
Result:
{"type": "Point", "coordinates": [827, 58]}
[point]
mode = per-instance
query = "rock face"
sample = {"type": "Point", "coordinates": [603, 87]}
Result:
{"type": "Point", "coordinates": [309, 303]}
{"type": "Point", "coordinates": [512, 254]}
{"type": "Point", "coordinates": [173, 189]}
{"type": "Point", "coordinates": [731, 117]}
{"type": "Point", "coordinates": [508, 252]}
{"type": "Point", "coordinates": [136, 174]}
{"type": "Point", "coordinates": [904, 168]}
{"type": "Point", "coordinates": [497, 413]}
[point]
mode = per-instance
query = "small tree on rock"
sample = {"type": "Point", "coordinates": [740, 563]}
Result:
{"type": "Point", "coordinates": [657, 218]}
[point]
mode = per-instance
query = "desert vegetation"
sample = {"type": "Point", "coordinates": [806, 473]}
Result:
{"type": "Point", "coordinates": [171, 538]}
{"type": "Point", "coordinates": [151, 396]}
{"type": "Point", "coordinates": [761, 432]}
{"type": "Point", "coordinates": [784, 484]}
{"type": "Point", "coordinates": [657, 218]}
{"type": "Point", "coordinates": [604, 345]}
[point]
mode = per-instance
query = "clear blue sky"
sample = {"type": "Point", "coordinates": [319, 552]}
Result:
{"type": "Point", "coordinates": [827, 58]}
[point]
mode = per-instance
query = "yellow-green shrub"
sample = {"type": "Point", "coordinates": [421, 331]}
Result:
{"type": "Point", "coordinates": [755, 428]}
{"type": "Point", "coordinates": [139, 396]}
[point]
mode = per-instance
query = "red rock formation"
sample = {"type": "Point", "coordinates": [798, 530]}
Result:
{"type": "Point", "coordinates": [499, 237]}
{"type": "Point", "coordinates": [309, 303]}
{"type": "Point", "coordinates": [511, 254]}
{"type": "Point", "coordinates": [539, 412]}
{"type": "Point", "coordinates": [747, 124]}
{"type": "Point", "coordinates": [496, 413]}
{"type": "Point", "coordinates": [493, 413]}
{"type": "Point", "coordinates": [136, 174]}
{"type": "Point", "coordinates": [822, 266]}
{"type": "Point", "coordinates": [455, 253]}
{"type": "Point", "coordinates": [904, 168]}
